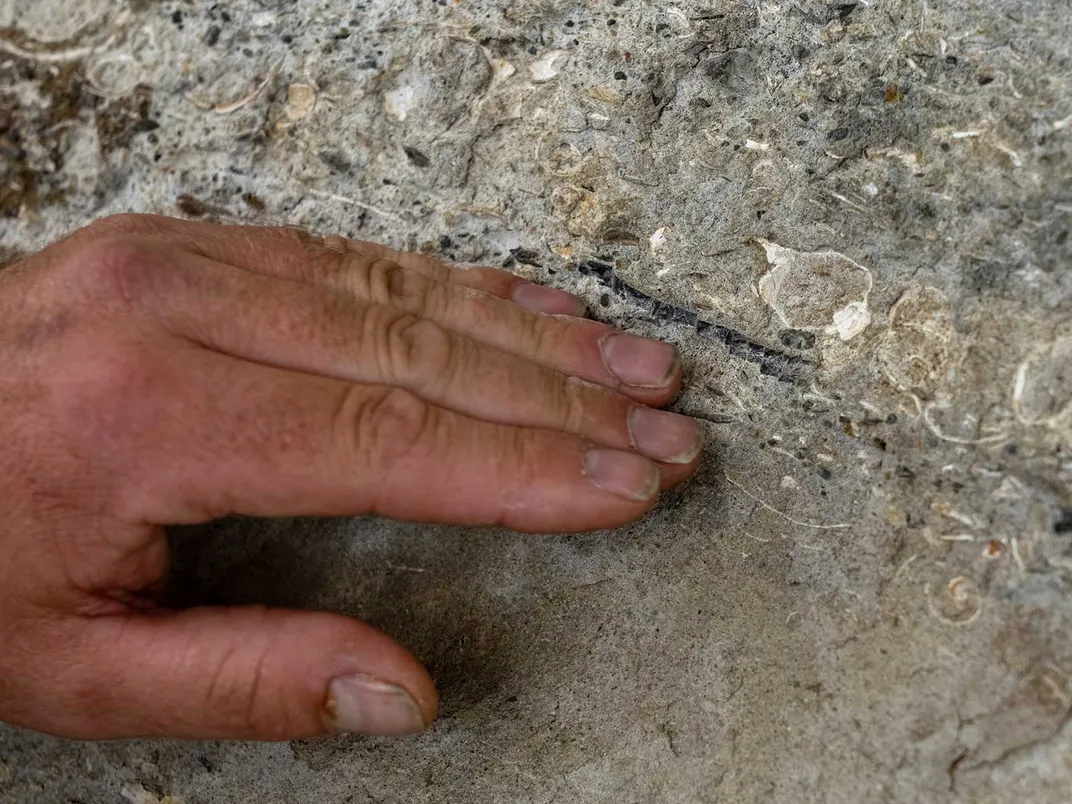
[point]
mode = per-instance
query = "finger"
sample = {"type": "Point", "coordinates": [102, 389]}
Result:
{"type": "Point", "coordinates": [312, 329]}
{"type": "Point", "coordinates": [232, 437]}
{"type": "Point", "coordinates": [503, 284]}
{"type": "Point", "coordinates": [297, 254]}
{"type": "Point", "coordinates": [229, 673]}
{"type": "Point", "coordinates": [646, 370]}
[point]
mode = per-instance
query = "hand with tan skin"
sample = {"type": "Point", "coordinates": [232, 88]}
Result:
{"type": "Point", "coordinates": [159, 372]}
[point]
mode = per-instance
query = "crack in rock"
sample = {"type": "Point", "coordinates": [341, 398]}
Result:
{"type": "Point", "coordinates": [785, 367]}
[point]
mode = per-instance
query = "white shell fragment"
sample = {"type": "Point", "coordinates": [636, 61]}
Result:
{"type": "Point", "coordinates": [398, 103]}
{"type": "Point", "coordinates": [501, 69]}
{"type": "Point", "coordinates": [851, 320]}
{"type": "Point", "coordinates": [1042, 389]}
{"type": "Point", "coordinates": [548, 65]}
{"type": "Point", "coordinates": [657, 242]}
{"type": "Point", "coordinates": [301, 100]}
{"type": "Point", "coordinates": [824, 290]}
{"type": "Point", "coordinates": [600, 122]}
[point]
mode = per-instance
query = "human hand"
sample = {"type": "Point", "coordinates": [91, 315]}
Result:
{"type": "Point", "coordinates": [159, 372]}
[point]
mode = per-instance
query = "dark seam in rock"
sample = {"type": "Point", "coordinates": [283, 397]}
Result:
{"type": "Point", "coordinates": [772, 363]}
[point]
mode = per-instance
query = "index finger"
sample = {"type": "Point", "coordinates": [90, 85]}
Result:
{"type": "Point", "coordinates": [287, 250]}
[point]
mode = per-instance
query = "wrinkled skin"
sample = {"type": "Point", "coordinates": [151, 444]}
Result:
{"type": "Point", "coordinates": [157, 372]}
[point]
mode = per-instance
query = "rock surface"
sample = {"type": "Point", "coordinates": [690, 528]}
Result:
{"type": "Point", "coordinates": [863, 596]}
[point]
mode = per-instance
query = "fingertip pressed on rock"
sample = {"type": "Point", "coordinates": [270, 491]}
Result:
{"type": "Point", "coordinates": [624, 474]}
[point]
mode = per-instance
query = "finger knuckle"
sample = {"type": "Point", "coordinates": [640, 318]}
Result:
{"type": "Point", "coordinates": [574, 400]}
{"type": "Point", "coordinates": [310, 241]}
{"type": "Point", "coordinates": [387, 429]}
{"type": "Point", "coordinates": [336, 243]}
{"type": "Point", "coordinates": [239, 685]}
{"type": "Point", "coordinates": [417, 350]}
{"type": "Point", "coordinates": [544, 334]}
{"type": "Point", "coordinates": [115, 269]}
{"type": "Point", "coordinates": [294, 235]}
{"type": "Point", "coordinates": [393, 286]}
{"type": "Point", "coordinates": [123, 223]}
{"type": "Point", "coordinates": [520, 461]}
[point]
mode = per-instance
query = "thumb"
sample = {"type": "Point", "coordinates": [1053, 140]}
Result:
{"type": "Point", "coordinates": [245, 673]}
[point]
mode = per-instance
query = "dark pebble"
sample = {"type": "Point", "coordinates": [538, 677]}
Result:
{"type": "Point", "coordinates": [253, 202]}
{"type": "Point", "coordinates": [189, 205]}
{"type": "Point", "coordinates": [416, 157]}
{"type": "Point", "coordinates": [1064, 522]}
{"type": "Point", "coordinates": [797, 339]}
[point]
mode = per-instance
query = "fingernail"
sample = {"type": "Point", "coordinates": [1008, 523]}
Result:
{"type": "Point", "coordinates": [622, 473]}
{"type": "Point", "coordinates": [364, 705]}
{"type": "Point", "coordinates": [640, 362]}
{"type": "Point", "coordinates": [666, 437]}
{"type": "Point", "coordinates": [542, 299]}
